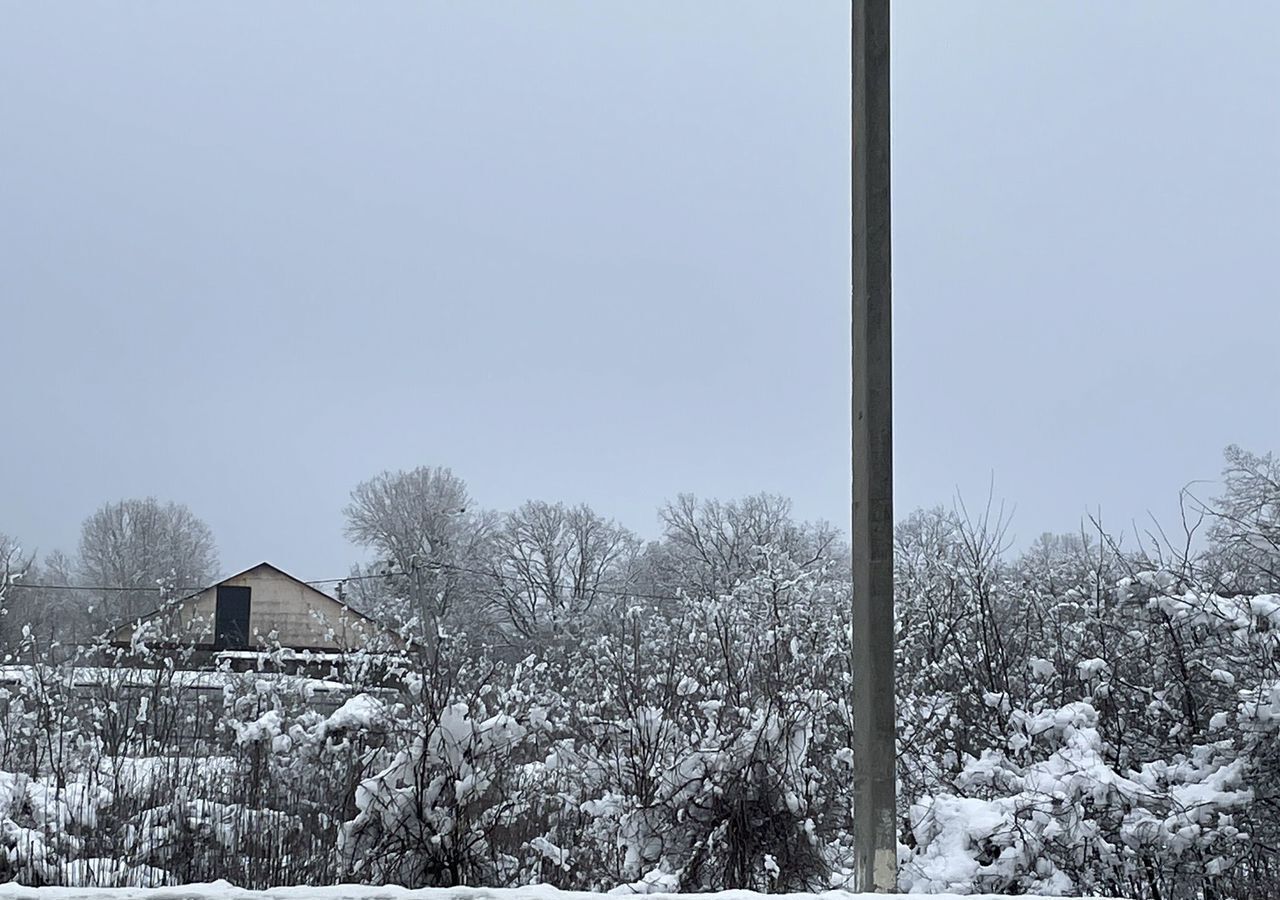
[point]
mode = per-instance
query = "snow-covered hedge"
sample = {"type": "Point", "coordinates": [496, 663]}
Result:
{"type": "Point", "coordinates": [1067, 726]}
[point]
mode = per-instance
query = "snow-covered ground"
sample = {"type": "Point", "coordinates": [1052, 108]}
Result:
{"type": "Point", "coordinates": [224, 891]}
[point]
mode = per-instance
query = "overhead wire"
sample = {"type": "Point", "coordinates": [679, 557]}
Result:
{"type": "Point", "coordinates": [368, 576]}
{"type": "Point", "coordinates": [500, 577]}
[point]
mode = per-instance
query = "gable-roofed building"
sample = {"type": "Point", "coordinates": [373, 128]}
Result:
{"type": "Point", "coordinates": [259, 637]}
{"type": "Point", "coordinates": [262, 609]}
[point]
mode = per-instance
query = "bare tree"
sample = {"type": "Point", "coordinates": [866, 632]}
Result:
{"type": "Point", "coordinates": [13, 566]}
{"type": "Point", "coordinates": [712, 546]}
{"type": "Point", "coordinates": [1245, 529]}
{"type": "Point", "coordinates": [12, 562]}
{"type": "Point", "coordinates": [552, 563]}
{"type": "Point", "coordinates": [34, 599]}
{"type": "Point", "coordinates": [137, 547]}
{"type": "Point", "coordinates": [428, 539]}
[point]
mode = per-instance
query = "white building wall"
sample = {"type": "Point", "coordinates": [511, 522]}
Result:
{"type": "Point", "coordinates": [300, 616]}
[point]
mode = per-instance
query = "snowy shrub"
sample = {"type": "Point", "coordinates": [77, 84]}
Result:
{"type": "Point", "coordinates": [1080, 721]}
{"type": "Point", "coordinates": [1073, 720]}
{"type": "Point", "coordinates": [440, 812]}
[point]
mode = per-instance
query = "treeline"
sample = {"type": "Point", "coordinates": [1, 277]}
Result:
{"type": "Point", "coordinates": [584, 709]}
{"type": "Point", "coordinates": [142, 551]}
{"type": "Point", "coordinates": [546, 569]}
{"type": "Point", "coordinates": [439, 562]}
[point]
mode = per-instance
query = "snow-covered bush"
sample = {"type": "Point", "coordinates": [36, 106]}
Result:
{"type": "Point", "coordinates": [1073, 719]}
{"type": "Point", "coordinates": [711, 738]}
{"type": "Point", "coordinates": [1078, 720]}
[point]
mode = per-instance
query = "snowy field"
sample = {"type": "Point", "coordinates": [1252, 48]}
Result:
{"type": "Point", "coordinates": [224, 891]}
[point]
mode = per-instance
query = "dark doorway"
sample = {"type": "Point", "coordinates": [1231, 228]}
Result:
{"type": "Point", "coordinates": [231, 620]}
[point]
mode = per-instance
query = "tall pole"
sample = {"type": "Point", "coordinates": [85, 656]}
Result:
{"type": "Point", "coordinates": [874, 725]}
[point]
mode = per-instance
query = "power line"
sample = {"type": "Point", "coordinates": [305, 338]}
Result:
{"type": "Point", "coordinates": [496, 576]}
{"type": "Point", "coordinates": [95, 588]}
{"type": "Point", "coordinates": [371, 576]}
{"type": "Point", "coordinates": [499, 577]}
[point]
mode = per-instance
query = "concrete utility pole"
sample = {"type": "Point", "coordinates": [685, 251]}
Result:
{"type": "Point", "coordinates": [874, 720]}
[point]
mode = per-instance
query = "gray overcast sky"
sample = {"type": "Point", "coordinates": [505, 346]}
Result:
{"type": "Point", "coordinates": [251, 254]}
